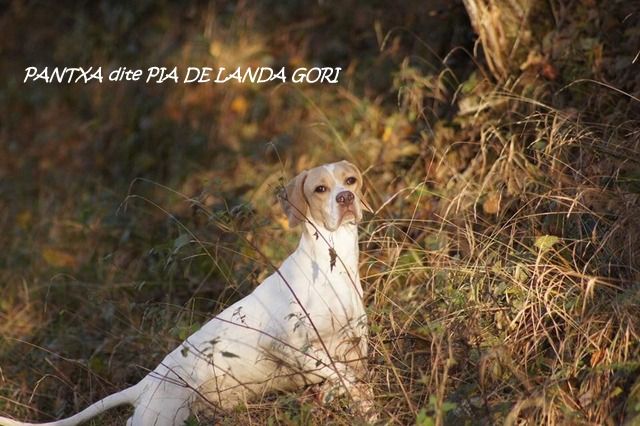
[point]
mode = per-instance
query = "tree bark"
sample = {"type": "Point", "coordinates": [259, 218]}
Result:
{"type": "Point", "coordinates": [503, 28]}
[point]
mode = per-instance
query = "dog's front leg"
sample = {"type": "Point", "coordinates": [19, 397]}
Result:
{"type": "Point", "coordinates": [340, 379]}
{"type": "Point", "coordinates": [359, 392]}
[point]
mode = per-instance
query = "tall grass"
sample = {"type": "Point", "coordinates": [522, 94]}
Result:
{"type": "Point", "coordinates": [501, 266]}
{"type": "Point", "coordinates": [516, 300]}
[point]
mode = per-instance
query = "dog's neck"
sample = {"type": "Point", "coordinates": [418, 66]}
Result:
{"type": "Point", "coordinates": [317, 241]}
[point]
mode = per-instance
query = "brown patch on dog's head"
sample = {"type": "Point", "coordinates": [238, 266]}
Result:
{"type": "Point", "coordinates": [347, 169]}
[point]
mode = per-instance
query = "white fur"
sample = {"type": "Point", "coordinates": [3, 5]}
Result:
{"type": "Point", "coordinates": [305, 324]}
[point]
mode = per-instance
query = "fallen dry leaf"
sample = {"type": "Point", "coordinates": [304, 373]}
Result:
{"type": "Point", "coordinates": [59, 258]}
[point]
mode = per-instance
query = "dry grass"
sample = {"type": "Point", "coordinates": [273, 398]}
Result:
{"type": "Point", "coordinates": [513, 304]}
{"type": "Point", "coordinates": [501, 266]}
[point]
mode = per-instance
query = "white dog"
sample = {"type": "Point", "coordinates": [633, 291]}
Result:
{"type": "Point", "coordinates": [305, 324]}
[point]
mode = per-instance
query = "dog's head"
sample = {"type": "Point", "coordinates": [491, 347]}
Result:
{"type": "Point", "coordinates": [329, 195]}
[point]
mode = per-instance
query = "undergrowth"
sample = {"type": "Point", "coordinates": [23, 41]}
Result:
{"type": "Point", "coordinates": [501, 264]}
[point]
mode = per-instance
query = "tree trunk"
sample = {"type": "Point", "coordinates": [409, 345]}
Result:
{"type": "Point", "coordinates": [503, 28]}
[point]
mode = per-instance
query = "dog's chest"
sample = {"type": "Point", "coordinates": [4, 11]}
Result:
{"type": "Point", "coordinates": [326, 294]}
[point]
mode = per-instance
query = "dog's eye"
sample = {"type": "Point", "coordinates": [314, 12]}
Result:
{"type": "Point", "coordinates": [350, 180]}
{"type": "Point", "coordinates": [321, 188]}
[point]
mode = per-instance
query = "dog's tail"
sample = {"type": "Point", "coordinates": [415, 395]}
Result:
{"type": "Point", "coordinates": [126, 396]}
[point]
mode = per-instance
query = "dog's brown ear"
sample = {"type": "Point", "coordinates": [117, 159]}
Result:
{"type": "Point", "coordinates": [293, 201]}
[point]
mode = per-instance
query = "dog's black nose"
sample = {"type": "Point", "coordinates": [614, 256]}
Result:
{"type": "Point", "coordinates": [345, 198]}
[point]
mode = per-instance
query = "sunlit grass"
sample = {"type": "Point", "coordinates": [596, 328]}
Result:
{"type": "Point", "coordinates": [501, 266]}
